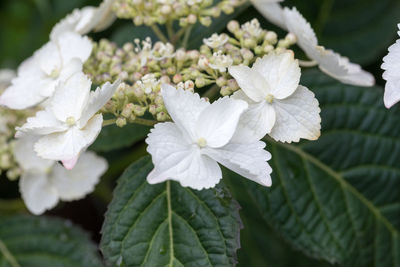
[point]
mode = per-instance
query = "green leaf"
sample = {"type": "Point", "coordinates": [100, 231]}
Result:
{"type": "Point", "coordinates": [337, 198]}
{"type": "Point", "coordinates": [359, 29]}
{"type": "Point", "coordinates": [167, 224]}
{"type": "Point", "coordinates": [43, 241]}
{"type": "Point", "coordinates": [113, 137]}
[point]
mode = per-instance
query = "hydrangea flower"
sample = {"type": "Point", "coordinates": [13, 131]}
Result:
{"type": "Point", "coordinates": [83, 21]}
{"type": "Point", "coordinates": [70, 123]}
{"type": "Point", "coordinates": [216, 40]}
{"type": "Point", "coordinates": [44, 182]}
{"type": "Point", "coordinates": [278, 105]}
{"type": "Point", "coordinates": [39, 75]}
{"type": "Point", "coordinates": [187, 150]}
{"type": "Point", "coordinates": [391, 65]}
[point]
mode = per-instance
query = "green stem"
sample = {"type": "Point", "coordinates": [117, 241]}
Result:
{"type": "Point", "coordinates": [178, 35]}
{"type": "Point", "coordinates": [159, 33]}
{"type": "Point", "coordinates": [144, 122]}
{"type": "Point", "coordinates": [7, 255]}
{"type": "Point", "coordinates": [109, 122]}
{"type": "Point", "coordinates": [308, 64]}
{"type": "Point", "coordinates": [170, 30]}
{"type": "Point", "coordinates": [186, 37]}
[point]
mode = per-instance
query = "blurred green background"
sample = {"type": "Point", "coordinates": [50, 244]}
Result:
{"type": "Point", "coordinates": [359, 29]}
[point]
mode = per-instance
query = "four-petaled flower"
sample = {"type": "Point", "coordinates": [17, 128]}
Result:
{"type": "Point", "coordinates": [44, 182]}
{"type": "Point", "coordinates": [70, 123]}
{"type": "Point", "coordinates": [188, 149]}
{"type": "Point", "coordinates": [278, 105]}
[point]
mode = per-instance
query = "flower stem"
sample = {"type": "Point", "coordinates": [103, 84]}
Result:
{"type": "Point", "coordinates": [186, 37]}
{"type": "Point", "coordinates": [308, 64]}
{"type": "Point", "coordinates": [144, 122]}
{"type": "Point", "coordinates": [109, 122]}
{"type": "Point", "coordinates": [170, 30]}
{"type": "Point", "coordinates": [159, 33]}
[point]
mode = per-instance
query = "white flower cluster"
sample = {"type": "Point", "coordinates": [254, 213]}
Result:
{"type": "Point", "coordinates": [67, 121]}
{"type": "Point", "coordinates": [228, 131]}
{"type": "Point", "coordinates": [328, 61]}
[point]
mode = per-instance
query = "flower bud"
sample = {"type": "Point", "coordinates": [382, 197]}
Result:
{"type": "Point", "coordinates": [121, 122]}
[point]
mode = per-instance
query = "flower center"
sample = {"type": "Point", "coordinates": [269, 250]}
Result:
{"type": "Point", "coordinates": [269, 98]}
{"type": "Point", "coordinates": [55, 73]}
{"type": "Point", "coordinates": [201, 142]}
{"type": "Point", "coordinates": [70, 121]}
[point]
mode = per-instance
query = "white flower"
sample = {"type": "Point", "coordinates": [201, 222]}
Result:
{"type": "Point", "coordinates": [188, 149]}
{"type": "Point", "coordinates": [83, 21]}
{"type": "Point", "coordinates": [39, 75]}
{"type": "Point", "coordinates": [44, 182]}
{"type": "Point", "coordinates": [216, 40]}
{"type": "Point", "coordinates": [70, 123]}
{"type": "Point", "coordinates": [328, 61]}
{"type": "Point", "coordinates": [391, 65]}
{"type": "Point", "coordinates": [253, 28]}
{"type": "Point", "coordinates": [278, 104]}
{"type": "Point", "coordinates": [220, 62]}
{"type": "Point", "coordinates": [271, 10]}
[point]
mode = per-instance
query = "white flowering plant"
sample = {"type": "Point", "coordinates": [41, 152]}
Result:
{"type": "Point", "coordinates": [207, 133]}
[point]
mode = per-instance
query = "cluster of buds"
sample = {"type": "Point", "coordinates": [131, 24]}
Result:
{"type": "Point", "coordinates": [143, 98]}
{"type": "Point", "coordinates": [9, 119]}
{"type": "Point", "coordinates": [187, 12]}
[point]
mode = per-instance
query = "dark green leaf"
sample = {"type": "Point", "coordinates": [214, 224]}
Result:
{"type": "Point", "coordinates": [338, 198]}
{"type": "Point", "coordinates": [169, 225]}
{"type": "Point", "coordinates": [113, 137]}
{"type": "Point", "coordinates": [42, 241]}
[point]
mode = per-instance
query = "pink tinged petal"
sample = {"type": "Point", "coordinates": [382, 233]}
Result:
{"type": "Point", "coordinates": [297, 116]}
{"type": "Point", "coordinates": [26, 156]}
{"type": "Point", "coordinates": [251, 82]}
{"type": "Point", "coordinates": [184, 108]}
{"type": "Point", "coordinates": [217, 123]}
{"type": "Point", "coordinates": [72, 45]}
{"type": "Point", "coordinates": [255, 123]}
{"type": "Point", "coordinates": [271, 10]}
{"type": "Point", "coordinates": [71, 97]}
{"type": "Point", "coordinates": [43, 123]}
{"type": "Point", "coordinates": [71, 143]}
{"type": "Point", "coordinates": [77, 183]}
{"type": "Point", "coordinates": [249, 160]}
{"type": "Point", "coordinates": [391, 65]}
{"type": "Point", "coordinates": [69, 164]}
{"type": "Point", "coordinates": [97, 100]}
{"type": "Point", "coordinates": [281, 71]}
{"type": "Point", "coordinates": [37, 192]}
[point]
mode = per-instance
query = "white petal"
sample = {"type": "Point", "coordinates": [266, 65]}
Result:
{"type": "Point", "coordinates": [217, 123]}
{"type": "Point", "coordinates": [37, 192]}
{"type": "Point", "coordinates": [251, 82]}
{"type": "Point", "coordinates": [42, 123]}
{"type": "Point", "coordinates": [298, 25]}
{"type": "Point", "coordinates": [26, 156]}
{"type": "Point", "coordinates": [341, 68]}
{"type": "Point", "coordinates": [271, 10]}
{"type": "Point", "coordinates": [49, 58]}
{"type": "Point", "coordinates": [79, 21]}
{"type": "Point", "coordinates": [240, 95]}
{"type": "Point", "coordinates": [391, 65]}
{"type": "Point", "coordinates": [105, 15]}
{"type": "Point", "coordinates": [72, 45]}
{"type": "Point", "coordinates": [28, 88]}
{"type": "Point", "coordinates": [281, 71]}
{"type": "Point", "coordinates": [248, 160]}
{"type": "Point", "coordinates": [184, 108]}
{"type": "Point", "coordinates": [69, 144]}
{"type": "Point", "coordinates": [71, 97]}
{"type": "Point", "coordinates": [97, 100]}
{"type": "Point", "coordinates": [175, 159]}
{"type": "Point", "coordinates": [297, 116]}
{"type": "Point", "coordinates": [6, 75]}
{"type": "Point", "coordinates": [255, 123]}
{"type": "Point", "coordinates": [76, 183]}
{"type": "Point", "coordinates": [329, 62]}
